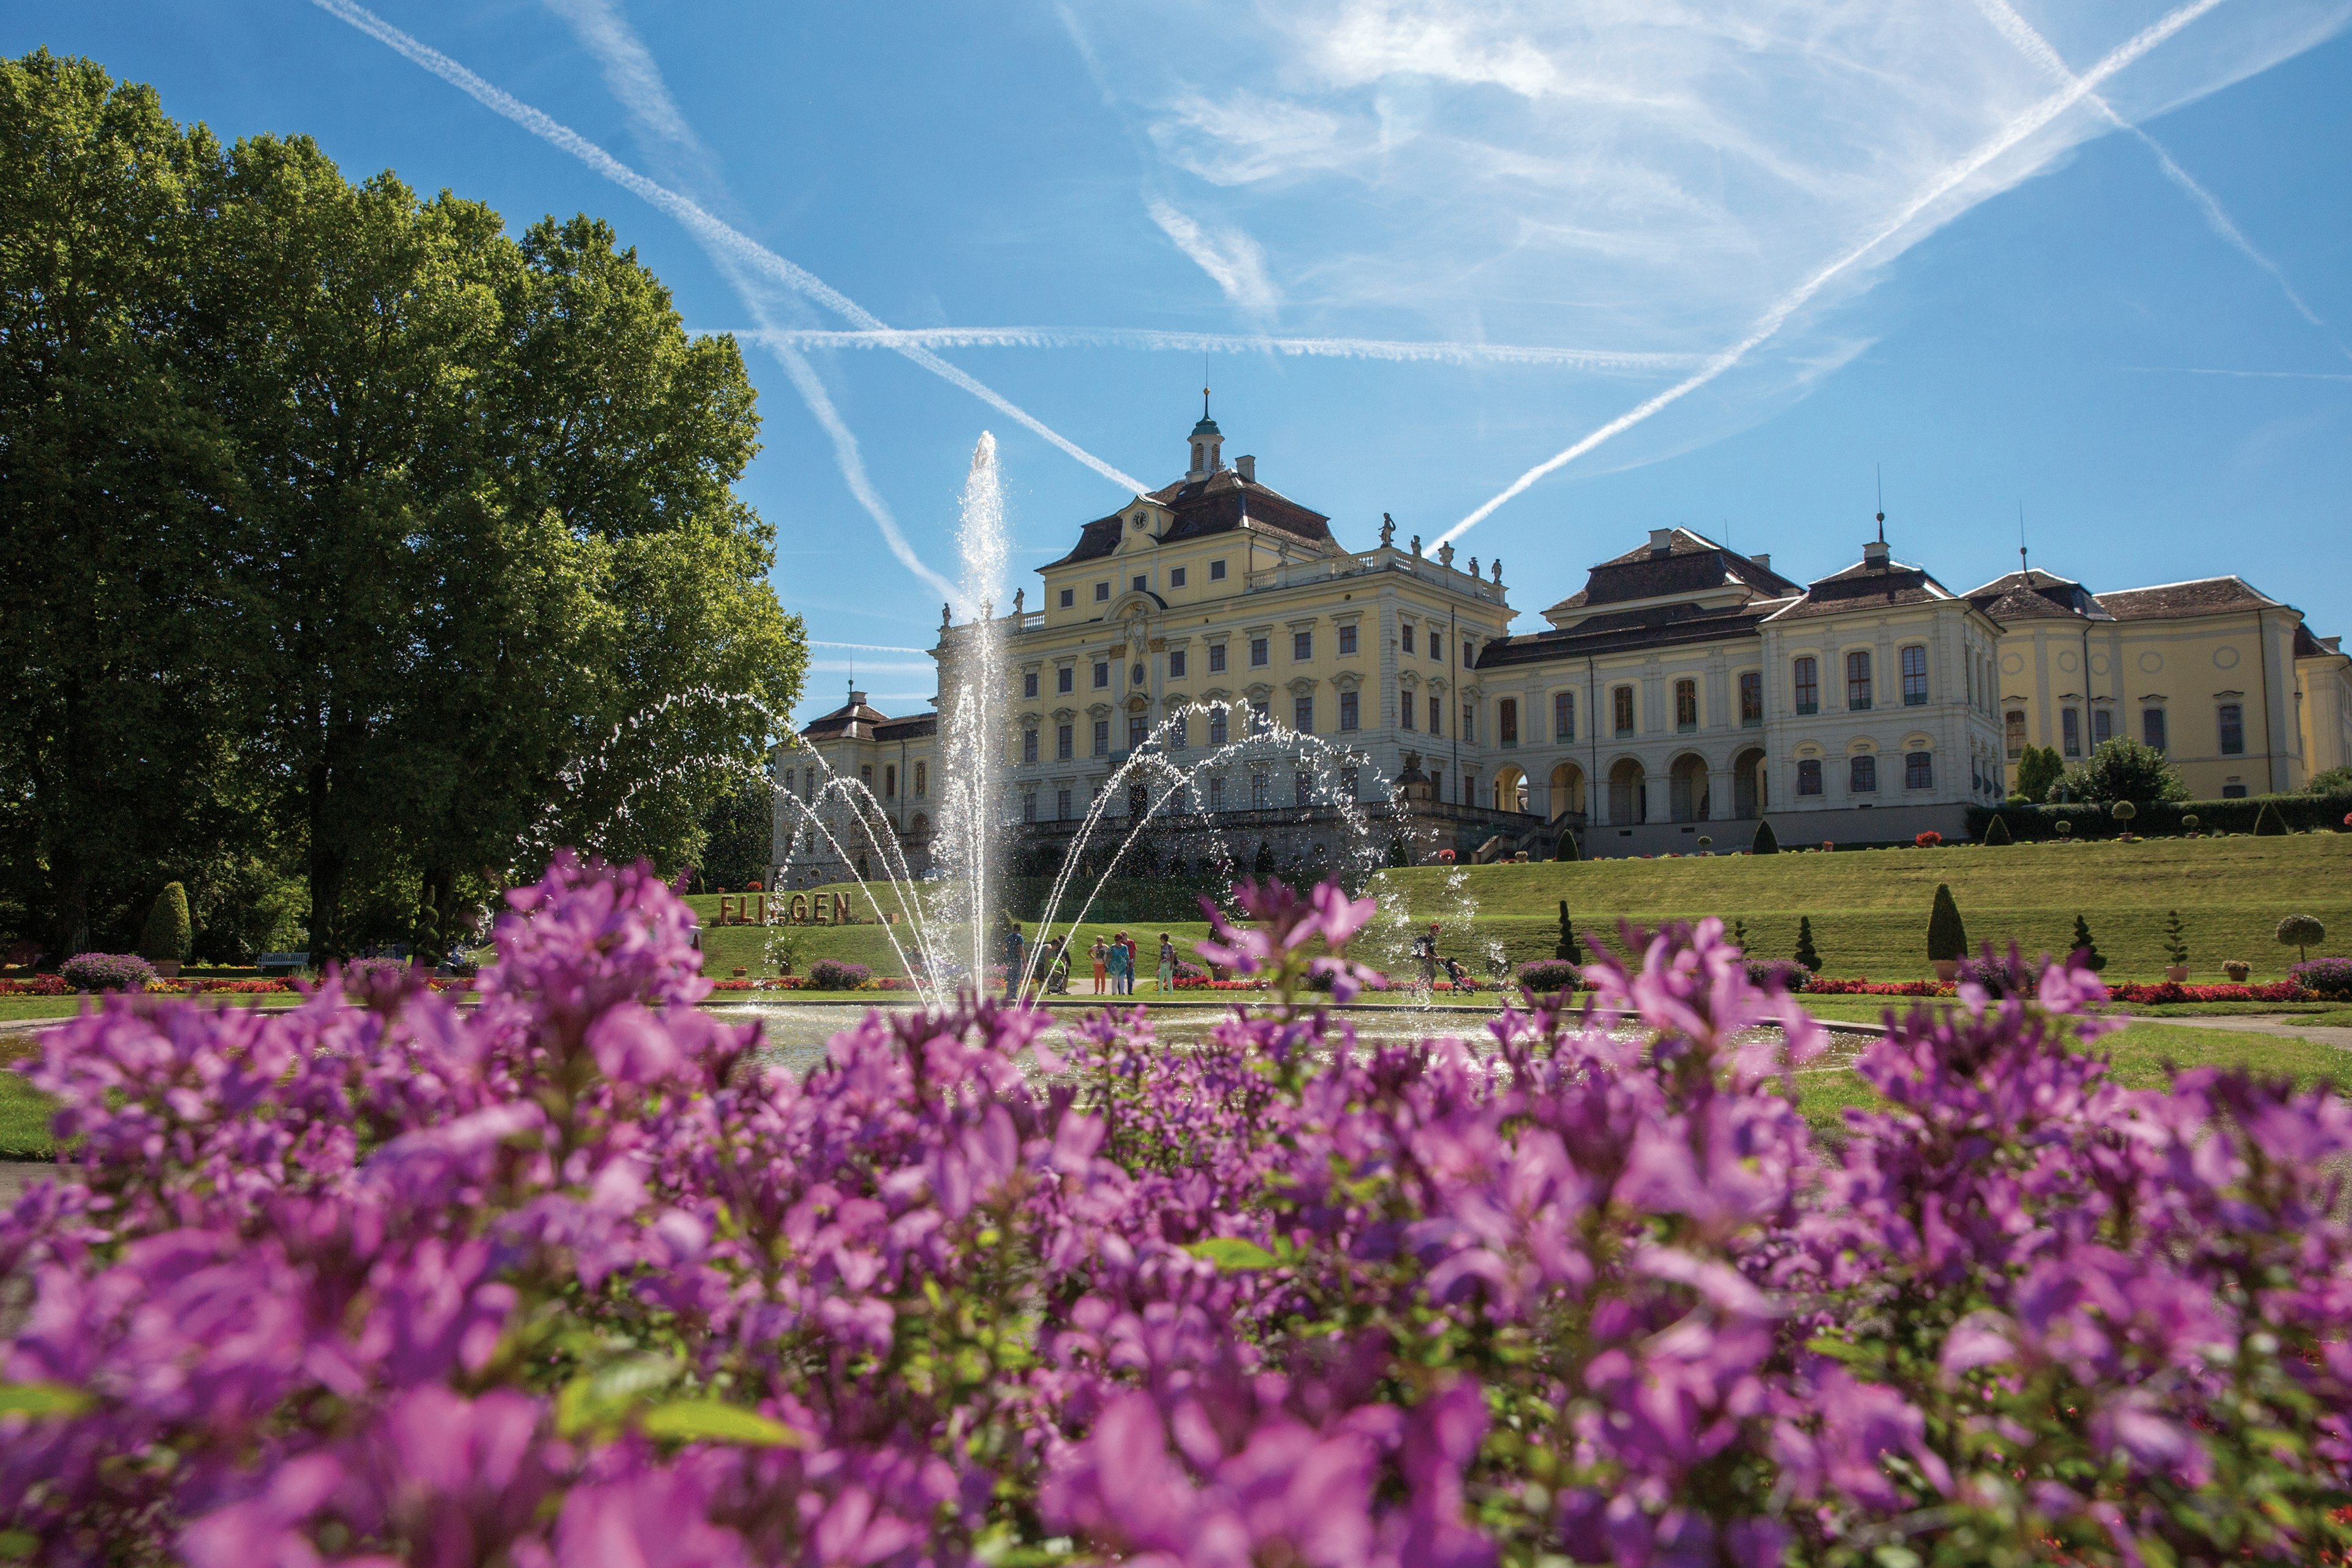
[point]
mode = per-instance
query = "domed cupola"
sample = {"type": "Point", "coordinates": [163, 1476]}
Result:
{"type": "Point", "coordinates": [1208, 444]}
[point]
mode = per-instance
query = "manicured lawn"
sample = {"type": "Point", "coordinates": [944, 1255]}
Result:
{"type": "Point", "coordinates": [1869, 908]}
{"type": "Point", "coordinates": [16, 1009]}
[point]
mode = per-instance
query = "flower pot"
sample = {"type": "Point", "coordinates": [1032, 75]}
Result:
{"type": "Point", "coordinates": [1948, 970]}
{"type": "Point", "coordinates": [2237, 973]}
{"type": "Point", "coordinates": [740, 973]}
{"type": "Point", "coordinates": [2178, 974]}
{"type": "Point", "coordinates": [168, 968]}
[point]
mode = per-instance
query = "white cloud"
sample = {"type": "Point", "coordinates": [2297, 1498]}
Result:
{"type": "Point", "coordinates": [1247, 137]}
{"type": "Point", "coordinates": [1229, 256]}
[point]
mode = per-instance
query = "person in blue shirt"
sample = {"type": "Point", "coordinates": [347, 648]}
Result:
{"type": "Point", "coordinates": [1014, 945]}
{"type": "Point", "coordinates": [1118, 961]}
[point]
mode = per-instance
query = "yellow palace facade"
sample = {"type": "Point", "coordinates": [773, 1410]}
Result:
{"type": "Point", "coordinates": [1684, 689]}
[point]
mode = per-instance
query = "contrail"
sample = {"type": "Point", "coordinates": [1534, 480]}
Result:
{"type": "Point", "coordinates": [2029, 43]}
{"type": "Point", "coordinates": [750, 254]}
{"type": "Point", "coordinates": [2255, 375]}
{"type": "Point", "coordinates": [1773, 319]}
{"type": "Point", "coordinates": [867, 647]}
{"type": "Point", "coordinates": [1400, 350]}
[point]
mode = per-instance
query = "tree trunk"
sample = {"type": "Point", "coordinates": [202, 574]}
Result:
{"type": "Point", "coordinates": [327, 861]}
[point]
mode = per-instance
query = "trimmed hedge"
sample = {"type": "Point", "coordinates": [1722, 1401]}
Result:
{"type": "Point", "coordinates": [2039, 824]}
{"type": "Point", "coordinates": [107, 972]}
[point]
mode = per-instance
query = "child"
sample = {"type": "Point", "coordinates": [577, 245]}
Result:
{"type": "Point", "coordinates": [1100, 950]}
{"type": "Point", "coordinates": [1167, 962]}
{"type": "Point", "coordinates": [1119, 975]}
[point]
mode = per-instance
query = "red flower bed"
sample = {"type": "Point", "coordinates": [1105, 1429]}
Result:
{"type": "Point", "coordinates": [37, 985]}
{"type": "Point", "coordinates": [232, 987]}
{"type": "Point", "coordinates": [2170, 991]}
{"type": "Point", "coordinates": [1821, 986]}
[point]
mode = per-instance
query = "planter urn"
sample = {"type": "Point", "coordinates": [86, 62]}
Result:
{"type": "Point", "coordinates": [2178, 974]}
{"type": "Point", "coordinates": [1948, 969]}
{"type": "Point", "coordinates": [2237, 973]}
{"type": "Point", "coordinates": [167, 968]}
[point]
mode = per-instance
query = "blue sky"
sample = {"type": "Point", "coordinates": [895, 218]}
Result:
{"type": "Point", "coordinates": [2094, 259]}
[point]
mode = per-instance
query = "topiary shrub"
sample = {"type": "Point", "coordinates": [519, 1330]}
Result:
{"type": "Point", "coordinates": [1568, 849]}
{"type": "Point", "coordinates": [169, 933]}
{"type": "Point", "coordinates": [1807, 954]}
{"type": "Point", "coordinates": [2268, 823]}
{"type": "Point", "coordinates": [1997, 831]}
{"type": "Point", "coordinates": [1765, 842]}
{"type": "Point", "coordinates": [1547, 975]}
{"type": "Point", "coordinates": [106, 971]}
{"type": "Point", "coordinates": [2176, 939]}
{"type": "Point", "coordinates": [1948, 938]}
{"type": "Point", "coordinates": [2301, 932]}
{"type": "Point", "coordinates": [2329, 977]}
{"type": "Point", "coordinates": [1568, 950]}
{"type": "Point", "coordinates": [2123, 769]}
{"type": "Point", "coordinates": [837, 974]}
{"type": "Point", "coordinates": [2086, 951]}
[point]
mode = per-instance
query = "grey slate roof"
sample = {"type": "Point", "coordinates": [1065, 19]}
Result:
{"type": "Point", "coordinates": [1214, 505]}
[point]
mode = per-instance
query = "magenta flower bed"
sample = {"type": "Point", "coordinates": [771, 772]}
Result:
{"type": "Point", "coordinates": [575, 1278]}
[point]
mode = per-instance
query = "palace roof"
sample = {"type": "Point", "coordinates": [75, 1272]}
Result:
{"type": "Point", "coordinates": [1688, 563]}
{"type": "Point", "coordinates": [857, 720]}
{"type": "Point", "coordinates": [1214, 505]}
{"type": "Point", "coordinates": [1870, 584]}
{"type": "Point", "coordinates": [2204, 596]}
{"type": "Point", "coordinates": [1653, 626]}
{"type": "Point", "coordinates": [2034, 595]}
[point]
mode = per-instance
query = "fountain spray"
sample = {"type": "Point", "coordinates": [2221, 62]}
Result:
{"type": "Point", "coordinates": [971, 680]}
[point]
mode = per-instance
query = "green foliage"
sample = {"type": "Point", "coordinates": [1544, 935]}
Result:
{"type": "Point", "coordinates": [2039, 769]}
{"type": "Point", "coordinates": [2176, 938]}
{"type": "Point", "coordinates": [2334, 781]}
{"type": "Point", "coordinates": [1946, 937]}
{"type": "Point", "coordinates": [2124, 770]}
{"type": "Point", "coordinates": [2268, 823]}
{"type": "Point", "coordinates": [169, 936]}
{"type": "Point", "coordinates": [2301, 932]}
{"type": "Point", "coordinates": [1568, 849]}
{"type": "Point", "coordinates": [738, 832]}
{"type": "Point", "coordinates": [1806, 953]}
{"type": "Point", "coordinates": [349, 535]}
{"type": "Point", "coordinates": [1997, 831]}
{"type": "Point", "coordinates": [1765, 842]}
{"type": "Point", "coordinates": [2086, 951]}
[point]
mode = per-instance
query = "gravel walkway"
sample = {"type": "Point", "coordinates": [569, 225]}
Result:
{"type": "Point", "coordinates": [2284, 1026]}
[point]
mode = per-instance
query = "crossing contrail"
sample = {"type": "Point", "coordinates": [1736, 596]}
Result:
{"type": "Point", "coordinates": [2023, 36]}
{"type": "Point", "coordinates": [1402, 349]}
{"type": "Point", "coordinates": [1773, 319]}
{"type": "Point", "coordinates": [749, 253]}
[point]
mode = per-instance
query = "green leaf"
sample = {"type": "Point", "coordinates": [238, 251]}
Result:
{"type": "Point", "coordinates": [605, 1396]}
{"type": "Point", "coordinates": [41, 1399]}
{"type": "Point", "coordinates": [1232, 1254]}
{"type": "Point", "coordinates": [710, 1421]}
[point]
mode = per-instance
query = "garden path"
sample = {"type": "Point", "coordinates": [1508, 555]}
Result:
{"type": "Point", "coordinates": [2283, 1026]}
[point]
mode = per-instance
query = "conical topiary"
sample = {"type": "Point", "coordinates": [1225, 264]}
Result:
{"type": "Point", "coordinates": [2268, 823]}
{"type": "Point", "coordinates": [1766, 844]}
{"type": "Point", "coordinates": [1807, 954]}
{"type": "Point", "coordinates": [1997, 830]}
{"type": "Point", "coordinates": [1946, 937]}
{"type": "Point", "coordinates": [2086, 951]}
{"type": "Point", "coordinates": [1568, 949]}
{"type": "Point", "coordinates": [168, 935]}
{"type": "Point", "coordinates": [1568, 849]}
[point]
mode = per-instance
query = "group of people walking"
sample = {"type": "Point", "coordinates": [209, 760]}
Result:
{"type": "Point", "coordinates": [1116, 959]}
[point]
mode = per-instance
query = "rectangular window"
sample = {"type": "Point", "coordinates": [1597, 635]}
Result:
{"type": "Point", "coordinates": [1469, 654]}
{"type": "Point", "coordinates": [1349, 789]}
{"type": "Point", "coordinates": [1469, 731]}
{"type": "Point", "coordinates": [2151, 727]}
{"type": "Point", "coordinates": [1029, 805]}
{"type": "Point", "coordinates": [1261, 791]}
{"type": "Point", "coordinates": [1347, 711]}
{"type": "Point", "coordinates": [1563, 715]}
{"type": "Point", "coordinates": [2233, 792]}
{"type": "Point", "coordinates": [1102, 738]}
{"type": "Point", "coordinates": [1216, 571]}
{"type": "Point", "coordinates": [2012, 733]}
{"type": "Point", "coordinates": [1069, 597]}
{"type": "Point", "coordinates": [1216, 658]}
{"type": "Point", "coordinates": [1622, 703]}
{"type": "Point", "coordinates": [865, 776]}
{"type": "Point", "coordinates": [1809, 776]}
{"type": "Point", "coordinates": [922, 780]}
{"type": "Point", "coordinates": [1178, 729]}
{"type": "Point", "coordinates": [1217, 733]}
{"type": "Point", "coordinates": [2070, 729]}
{"type": "Point", "coordinates": [1302, 715]}
{"type": "Point", "coordinates": [1176, 577]}
{"type": "Point", "coordinates": [1914, 677]}
{"type": "Point", "coordinates": [1435, 714]}
{"type": "Point", "coordinates": [1259, 654]}
{"type": "Point", "coordinates": [1437, 784]}
{"type": "Point", "coordinates": [1862, 775]}
{"type": "Point", "coordinates": [2232, 719]}
{"type": "Point", "coordinates": [1028, 683]}
{"type": "Point", "coordinates": [890, 782]}
{"type": "Point", "coordinates": [1857, 682]}
{"type": "Point", "coordinates": [1751, 698]}
{"type": "Point", "coordinates": [1301, 785]}
{"type": "Point", "coordinates": [1261, 721]}
{"type": "Point", "coordinates": [788, 781]}
{"type": "Point", "coordinates": [1347, 640]}
{"type": "Point", "coordinates": [1302, 647]}
{"type": "Point", "coordinates": [1138, 581]}
{"type": "Point", "coordinates": [1139, 729]}
{"type": "Point", "coordinates": [1176, 664]}
{"type": "Point", "coordinates": [1061, 742]}
{"type": "Point", "coordinates": [1102, 592]}
{"type": "Point", "coordinates": [1406, 631]}
{"type": "Point", "coordinates": [1686, 704]}
{"type": "Point", "coordinates": [1062, 805]}
{"type": "Point", "coordinates": [2103, 726]}
{"type": "Point", "coordinates": [1217, 792]}
{"type": "Point", "coordinates": [1102, 673]}
{"type": "Point", "coordinates": [1064, 677]}
{"type": "Point", "coordinates": [1405, 710]}
{"type": "Point", "coordinates": [1029, 746]}
{"type": "Point", "coordinates": [1506, 721]}
{"type": "Point", "coordinates": [1918, 770]}
{"type": "Point", "coordinates": [1807, 681]}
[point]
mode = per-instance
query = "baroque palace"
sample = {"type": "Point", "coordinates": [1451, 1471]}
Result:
{"type": "Point", "coordinates": [1684, 690]}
